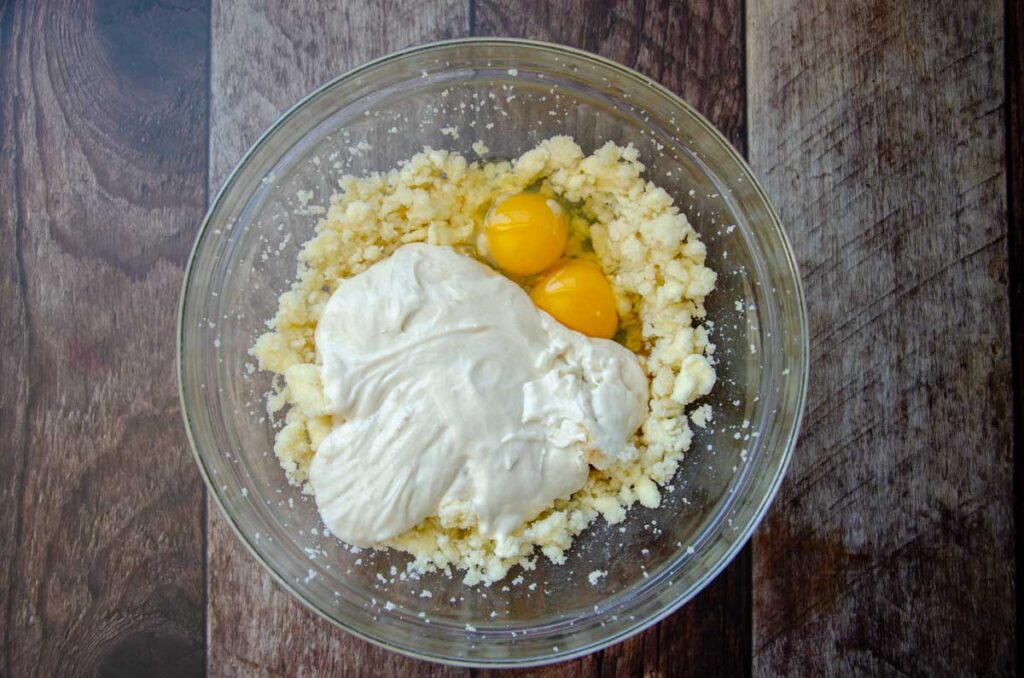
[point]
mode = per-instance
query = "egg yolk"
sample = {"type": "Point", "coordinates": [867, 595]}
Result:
{"type": "Point", "coordinates": [577, 294]}
{"type": "Point", "coordinates": [526, 233]}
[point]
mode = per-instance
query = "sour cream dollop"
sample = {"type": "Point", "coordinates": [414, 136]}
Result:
{"type": "Point", "coordinates": [448, 386]}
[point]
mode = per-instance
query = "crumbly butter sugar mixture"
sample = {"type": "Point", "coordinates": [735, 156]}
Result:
{"type": "Point", "coordinates": [616, 224]}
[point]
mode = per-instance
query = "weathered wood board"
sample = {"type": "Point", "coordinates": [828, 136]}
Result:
{"type": "Point", "coordinates": [878, 130]}
{"type": "Point", "coordinates": [102, 183]}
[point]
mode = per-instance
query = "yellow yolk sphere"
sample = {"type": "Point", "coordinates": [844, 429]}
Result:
{"type": "Point", "coordinates": [526, 233]}
{"type": "Point", "coordinates": [577, 294]}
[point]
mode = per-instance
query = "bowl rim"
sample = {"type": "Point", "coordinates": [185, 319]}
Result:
{"type": "Point", "coordinates": [803, 358]}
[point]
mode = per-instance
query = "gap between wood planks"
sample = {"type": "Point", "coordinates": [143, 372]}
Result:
{"type": "Point", "coordinates": [1014, 56]}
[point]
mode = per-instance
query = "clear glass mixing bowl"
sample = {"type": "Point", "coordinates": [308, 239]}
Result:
{"type": "Point", "coordinates": [509, 95]}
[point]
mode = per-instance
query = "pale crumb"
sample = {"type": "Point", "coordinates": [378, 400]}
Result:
{"type": "Point", "coordinates": [594, 576]}
{"type": "Point", "coordinates": [702, 415]}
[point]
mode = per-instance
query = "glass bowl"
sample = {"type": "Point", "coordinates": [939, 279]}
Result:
{"type": "Point", "coordinates": [370, 119]}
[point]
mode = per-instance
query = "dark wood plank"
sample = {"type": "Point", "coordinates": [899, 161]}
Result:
{"type": "Point", "coordinates": [695, 49]}
{"type": "Point", "coordinates": [878, 129]}
{"type": "Point", "coordinates": [265, 58]}
{"type": "Point", "coordinates": [102, 183]}
{"type": "Point", "coordinates": [1015, 186]}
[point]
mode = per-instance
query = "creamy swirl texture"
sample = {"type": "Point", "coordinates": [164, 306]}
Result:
{"type": "Point", "coordinates": [447, 385]}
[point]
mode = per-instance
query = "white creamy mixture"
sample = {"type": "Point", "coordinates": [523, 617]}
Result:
{"type": "Point", "coordinates": [448, 386]}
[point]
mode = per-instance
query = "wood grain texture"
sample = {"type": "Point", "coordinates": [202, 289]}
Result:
{"type": "Point", "coordinates": [878, 130]}
{"type": "Point", "coordinates": [102, 183]}
{"type": "Point", "coordinates": [695, 49]}
{"type": "Point", "coordinates": [265, 57]}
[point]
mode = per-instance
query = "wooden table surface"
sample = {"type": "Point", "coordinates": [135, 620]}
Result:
{"type": "Point", "coordinates": [888, 135]}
